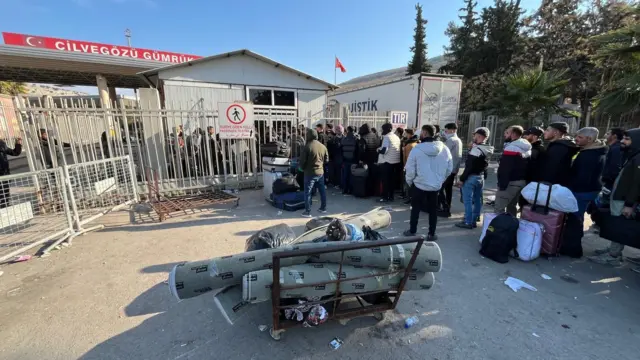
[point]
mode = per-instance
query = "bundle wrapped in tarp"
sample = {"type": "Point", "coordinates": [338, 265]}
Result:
{"type": "Point", "coordinates": [429, 258]}
{"type": "Point", "coordinates": [256, 285]}
{"type": "Point", "coordinates": [375, 219]}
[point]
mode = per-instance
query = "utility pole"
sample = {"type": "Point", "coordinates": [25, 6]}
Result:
{"type": "Point", "coordinates": [127, 34]}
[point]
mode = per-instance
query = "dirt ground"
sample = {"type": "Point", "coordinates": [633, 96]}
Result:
{"type": "Point", "coordinates": [104, 298]}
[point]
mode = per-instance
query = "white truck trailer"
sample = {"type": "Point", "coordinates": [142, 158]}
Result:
{"type": "Point", "coordinates": [427, 98]}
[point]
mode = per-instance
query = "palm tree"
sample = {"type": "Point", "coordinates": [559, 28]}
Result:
{"type": "Point", "coordinates": [530, 93]}
{"type": "Point", "coordinates": [12, 88]}
{"type": "Point", "coordinates": [618, 55]}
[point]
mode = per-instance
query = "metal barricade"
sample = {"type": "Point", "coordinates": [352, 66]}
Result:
{"type": "Point", "coordinates": [99, 187]}
{"type": "Point", "coordinates": [34, 209]}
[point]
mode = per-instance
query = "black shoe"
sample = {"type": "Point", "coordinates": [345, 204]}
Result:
{"type": "Point", "coordinates": [383, 200]}
{"type": "Point", "coordinates": [478, 219]}
{"type": "Point", "coordinates": [432, 237]}
{"type": "Point", "coordinates": [408, 233]}
{"type": "Point", "coordinates": [407, 202]}
{"type": "Point", "coordinates": [464, 225]}
{"type": "Point", "coordinates": [444, 213]}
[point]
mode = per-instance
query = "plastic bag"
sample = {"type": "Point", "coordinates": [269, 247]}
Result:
{"type": "Point", "coordinates": [271, 237]}
{"type": "Point", "coordinates": [562, 199]}
{"type": "Point", "coordinates": [317, 315]}
{"type": "Point", "coordinates": [318, 222]}
{"type": "Point", "coordinates": [371, 235]}
{"type": "Point", "coordinates": [354, 233]}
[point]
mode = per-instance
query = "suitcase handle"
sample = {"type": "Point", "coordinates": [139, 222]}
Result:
{"type": "Point", "coordinates": [545, 208]}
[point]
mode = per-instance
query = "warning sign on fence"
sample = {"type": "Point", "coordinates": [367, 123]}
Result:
{"type": "Point", "coordinates": [236, 120]}
{"type": "Point", "coordinates": [399, 119]}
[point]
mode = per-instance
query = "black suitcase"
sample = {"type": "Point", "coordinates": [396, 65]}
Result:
{"type": "Point", "coordinates": [287, 183]}
{"type": "Point", "coordinates": [275, 149]}
{"type": "Point", "coordinates": [359, 186]}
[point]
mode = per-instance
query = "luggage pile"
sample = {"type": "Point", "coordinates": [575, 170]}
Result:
{"type": "Point", "coordinates": [546, 226]}
{"type": "Point", "coordinates": [245, 279]}
{"type": "Point", "coordinates": [280, 188]}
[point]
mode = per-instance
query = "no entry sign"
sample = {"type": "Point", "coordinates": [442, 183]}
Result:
{"type": "Point", "coordinates": [236, 120]}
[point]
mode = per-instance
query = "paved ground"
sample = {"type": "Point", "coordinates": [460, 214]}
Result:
{"type": "Point", "coordinates": [104, 298]}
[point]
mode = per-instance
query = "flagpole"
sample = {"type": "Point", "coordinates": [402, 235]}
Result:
{"type": "Point", "coordinates": [335, 70]}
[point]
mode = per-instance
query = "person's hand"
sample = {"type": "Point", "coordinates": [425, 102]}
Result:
{"type": "Point", "coordinates": [627, 212]}
{"type": "Point", "coordinates": [19, 141]}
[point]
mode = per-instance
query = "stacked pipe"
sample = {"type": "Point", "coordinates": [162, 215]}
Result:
{"type": "Point", "coordinates": [246, 278]}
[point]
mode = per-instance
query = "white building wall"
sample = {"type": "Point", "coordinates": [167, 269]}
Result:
{"type": "Point", "coordinates": [188, 95]}
{"type": "Point", "coordinates": [399, 96]}
{"type": "Point", "coordinates": [241, 69]}
{"type": "Point", "coordinates": [311, 103]}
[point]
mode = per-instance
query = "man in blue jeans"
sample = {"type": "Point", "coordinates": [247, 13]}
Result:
{"type": "Point", "coordinates": [312, 160]}
{"type": "Point", "coordinates": [472, 178]}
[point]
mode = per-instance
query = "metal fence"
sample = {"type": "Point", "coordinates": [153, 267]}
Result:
{"type": "Point", "coordinates": [183, 146]}
{"type": "Point", "coordinates": [34, 209]}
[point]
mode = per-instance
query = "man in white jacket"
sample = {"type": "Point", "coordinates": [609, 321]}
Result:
{"type": "Point", "coordinates": [428, 166]}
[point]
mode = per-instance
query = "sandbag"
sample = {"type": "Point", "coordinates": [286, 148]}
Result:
{"type": "Point", "coordinates": [388, 257]}
{"type": "Point", "coordinates": [562, 199]}
{"type": "Point", "coordinates": [256, 285]}
{"type": "Point", "coordinates": [229, 302]}
{"type": "Point", "coordinates": [375, 219]}
{"type": "Point", "coordinates": [270, 237]}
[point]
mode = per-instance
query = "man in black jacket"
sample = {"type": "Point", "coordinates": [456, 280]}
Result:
{"type": "Point", "coordinates": [534, 166]}
{"type": "Point", "coordinates": [560, 151]}
{"type": "Point", "coordinates": [625, 196]}
{"type": "Point", "coordinates": [586, 168]}
{"type": "Point", "coordinates": [368, 154]}
{"type": "Point", "coordinates": [322, 137]}
{"type": "Point", "coordinates": [512, 170]}
{"type": "Point", "coordinates": [4, 169]}
{"type": "Point", "coordinates": [613, 161]}
{"type": "Point", "coordinates": [349, 148]}
{"type": "Point", "coordinates": [335, 155]}
{"type": "Point", "coordinates": [472, 178]}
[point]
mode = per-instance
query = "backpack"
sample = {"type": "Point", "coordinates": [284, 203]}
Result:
{"type": "Point", "coordinates": [501, 238]}
{"type": "Point", "coordinates": [572, 237]}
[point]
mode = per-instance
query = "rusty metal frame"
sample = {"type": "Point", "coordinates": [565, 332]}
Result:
{"type": "Point", "coordinates": [164, 206]}
{"type": "Point", "coordinates": [335, 312]}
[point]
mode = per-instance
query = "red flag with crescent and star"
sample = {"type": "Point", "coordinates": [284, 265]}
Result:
{"type": "Point", "coordinates": [340, 66]}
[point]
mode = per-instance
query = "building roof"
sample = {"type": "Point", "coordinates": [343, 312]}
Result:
{"type": "Point", "coordinates": [387, 77]}
{"type": "Point", "coordinates": [28, 64]}
{"type": "Point", "coordinates": [246, 52]}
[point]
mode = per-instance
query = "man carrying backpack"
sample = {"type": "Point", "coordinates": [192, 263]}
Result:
{"type": "Point", "coordinates": [472, 178]}
{"type": "Point", "coordinates": [428, 166]}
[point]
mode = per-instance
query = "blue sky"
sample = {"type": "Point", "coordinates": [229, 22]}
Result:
{"type": "Point", "coordinates": [367, 36]}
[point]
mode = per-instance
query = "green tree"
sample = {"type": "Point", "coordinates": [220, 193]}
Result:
{"type": "Point", "coordinates": [463, 42]}
{"type": "Point", "coordinates": [618, 56]}
{"type": "Point", "coordinates": [12, 88]}
{"type": "Point", "coordinates": [419, 62]}
{"type": "Point", "coordinates": [529, 94]}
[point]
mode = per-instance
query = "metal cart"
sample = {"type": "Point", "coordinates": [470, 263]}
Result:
{"type": "Point", "coordinates": [384, 297]}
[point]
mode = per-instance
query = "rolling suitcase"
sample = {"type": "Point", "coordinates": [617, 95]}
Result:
{"type": "Point", "coordinates": [551, 220]}
{"type": "Point", "coordinates": [275, 149]}
{"type": "Point", "coordinates": [359, 175]}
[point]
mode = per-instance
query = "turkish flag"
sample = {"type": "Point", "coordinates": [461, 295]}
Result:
{"type": "Point", "coordinates": [340, 66]}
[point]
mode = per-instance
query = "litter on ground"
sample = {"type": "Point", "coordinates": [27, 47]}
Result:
{"type": "Point", "coordinates": [517, 284]}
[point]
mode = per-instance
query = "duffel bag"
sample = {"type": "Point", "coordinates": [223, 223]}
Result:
{"type": "Point", "coordinates": [275, 149]}
{"type": "Point", "coordinates": [287, 183]}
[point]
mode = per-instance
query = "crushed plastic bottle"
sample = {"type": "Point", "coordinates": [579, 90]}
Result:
{"type": "Point", "coordinates": [410, 322]}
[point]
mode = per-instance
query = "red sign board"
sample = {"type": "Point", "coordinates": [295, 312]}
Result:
{"type": "Point", "coordinates": [94, 48]}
